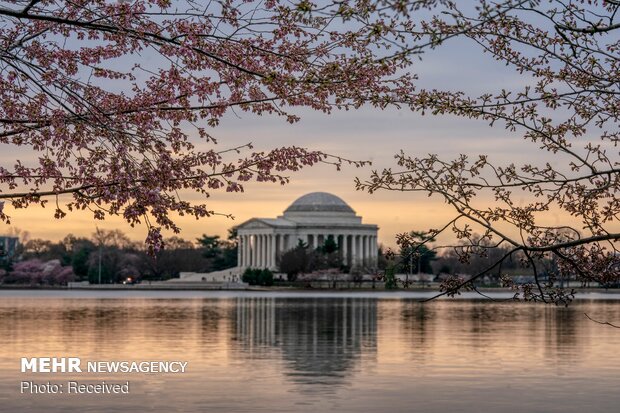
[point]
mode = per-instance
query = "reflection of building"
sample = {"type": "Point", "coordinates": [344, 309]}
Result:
{"type": "Point", "coordinates": [312, 219]}
{"type": "Point", "coordinates": [8, 245]}
{"type": "Point", "coordinates": [320, 340]}
{"type": "Point", "coordinates": [255, 321]}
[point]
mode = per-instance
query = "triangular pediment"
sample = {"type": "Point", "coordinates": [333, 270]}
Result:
{"type": "Point", "coordinates": [254, 223]}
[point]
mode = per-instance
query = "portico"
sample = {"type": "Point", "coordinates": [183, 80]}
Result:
{"type": "Point", "coordinates": [312, 218]}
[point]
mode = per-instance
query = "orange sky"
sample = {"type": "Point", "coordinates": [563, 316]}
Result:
{"type": "Point", "coordinates": [394, 212]}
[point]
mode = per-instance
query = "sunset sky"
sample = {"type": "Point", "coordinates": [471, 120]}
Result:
{"type": "Point", "coordinates": [365, 134]}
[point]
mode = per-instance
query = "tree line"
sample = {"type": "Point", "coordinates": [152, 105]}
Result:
{"type": "Point", "coordinates": [109, 256]}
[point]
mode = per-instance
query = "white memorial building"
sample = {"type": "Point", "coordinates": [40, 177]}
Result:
{"type": "Point", "coordinates": [312, 218]}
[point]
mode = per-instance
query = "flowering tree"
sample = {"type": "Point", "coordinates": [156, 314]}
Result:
{"type": "Point", "coordinates": [118, 97]}
{"type": "Point", "coordinates": [569, 53]}
{"type": "Point", "coordinates": [37, 272]}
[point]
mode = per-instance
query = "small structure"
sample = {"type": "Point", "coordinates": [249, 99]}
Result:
{"type": "Point", "coordinates": [312, 218]}
{"type": "Point", "coordinates": [229, 275]}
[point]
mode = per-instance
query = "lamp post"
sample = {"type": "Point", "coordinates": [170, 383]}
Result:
{"type": "Point", "coordinates": [100, 239]}
{"type": "Point", "coordinates": [99, 262]}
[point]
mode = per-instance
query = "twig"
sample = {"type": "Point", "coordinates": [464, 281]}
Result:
{"type": "Point", "coordinates": [607, 323]}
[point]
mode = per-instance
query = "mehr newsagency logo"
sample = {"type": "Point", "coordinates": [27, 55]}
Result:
{"type": "Point", "coordinates": [75, 365]}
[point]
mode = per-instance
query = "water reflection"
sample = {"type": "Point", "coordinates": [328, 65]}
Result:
{"type": "Point", "coordinates": [342, 354]}
{"type": "Point", "coordinates": [321, 341]}
{"type": "Point", "coordinates": [477, 329]}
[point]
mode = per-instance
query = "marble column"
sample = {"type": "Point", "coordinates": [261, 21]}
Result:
{"type": "Point", "coordinates": [370, 251]}
{"type": "Point", "coordinates": [267, 245]}
{"type": "Point", "coordinates": [247, 251]}
{"type": "Point", "coordinates": [252, 250]}
{"type": "Point", "coordinates": [240, 245]}
{"type": "Point", "coordinates": [362, 250]}
{"type": "Point", "coordinates": [246, 248]}
{"type": "Point", "coordinates": [367, 248]}
{"type": "Point", "coordinates": [256, 250]}
{"type": "Point", "coordinates": [259, 250]}
{"type": "Point", "coordinates": [353, 250]}
{"type": "Point", "coordinates": [273, 251]}
{"type": "Point", "coordinates": [375, 252]}
{"type": "Point", "coordinates": [252, 257]}
{"type": "Point", "coordinates": [345, 252]}
{"type": "Point", "coordinates": [265, 251]}
{"type": "Point", "coordinates": [263, 255]}
{"type": "Point", "coordinates": [359, 247]}
{"type": "Point", "coordinates": [240, 251]}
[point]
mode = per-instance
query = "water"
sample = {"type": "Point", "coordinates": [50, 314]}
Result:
{"type": "Point", "coordinates": [315, 353]}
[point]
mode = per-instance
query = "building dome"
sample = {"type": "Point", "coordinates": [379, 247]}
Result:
{"type": "Point", "coordinates": [319, 202]}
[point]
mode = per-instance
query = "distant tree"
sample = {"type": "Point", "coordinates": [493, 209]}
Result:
{"type": "Point", "coordinates": [296, 261]}
{"type": "Point", "coordinates": [113, 238]}
{"type": "Point", "coordinates": [223, 253]}
{"type": "Point", "coordinates": [451, 261]}
{"type": "Point", "coordinates": [36, 248]}
{"type": "Point", "coordinates": [81, 249]}
{"type": "Point", "coordinates": [415, 255]}
{"type": "Point", "coordinates": [390, 279]}
{"type": "Point", "coordinates": [417, 259]}
{"type": "Point", "coordinates": [265, 278]}
{"type": "Point", "coordinates": [257, 276]}
{"type": "Point", "coordinates": [303, 259]}
{"type": "Point", "coordinates": [444, 269]}
{"type": "Point", "coordinates": [25, 272]}
{"type": "Point", "coordinates": [329, 245]}
{"type": "Point", "coordinates": [210, 245]}
{"type": "Point", "coordinates": [327, 255]}
{"type": "Point", "coordinates": [37, 272]}
{"type": "Point", "coordinates": [80, 260]}
{"type": "Point", "coordinates": [178, 255]}
{"type": "Point", "coordinates": [178, 243]}
{"type": "Point", "coordinates": [382, 260]}
{"type": "Point", "coordinates": [114, 258]}
{"type": "Point", "coordinates": [228, 252]}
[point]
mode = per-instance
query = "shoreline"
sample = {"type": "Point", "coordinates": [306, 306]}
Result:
{"type": "Point", "coordinates": [267, 290]}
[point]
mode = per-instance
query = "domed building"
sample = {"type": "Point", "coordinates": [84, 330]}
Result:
{"type": "Point", "coordinates": [312, 218]}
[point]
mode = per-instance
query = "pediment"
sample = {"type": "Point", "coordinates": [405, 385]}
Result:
{"type": "Point", "coordinates": [253, 224]}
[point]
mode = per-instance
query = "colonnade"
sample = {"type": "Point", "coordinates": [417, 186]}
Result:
{"type": "Point", "coordinates": [262, 249]}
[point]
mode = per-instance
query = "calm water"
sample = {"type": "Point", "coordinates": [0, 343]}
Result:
{"type": "Point", "coordinates": [319, 353]}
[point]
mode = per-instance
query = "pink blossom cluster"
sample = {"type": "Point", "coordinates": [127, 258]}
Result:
{"type": "Point", "coordinates": [117, 97]}
{"type": "Point", "coordinates": [37, 272]}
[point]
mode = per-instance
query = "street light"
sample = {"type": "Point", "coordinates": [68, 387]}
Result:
{"type": "Point", "coordinates": [100, 247]}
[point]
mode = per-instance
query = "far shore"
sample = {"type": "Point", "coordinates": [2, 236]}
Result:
{"type": "Point", "coordinates": [275, 289]}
